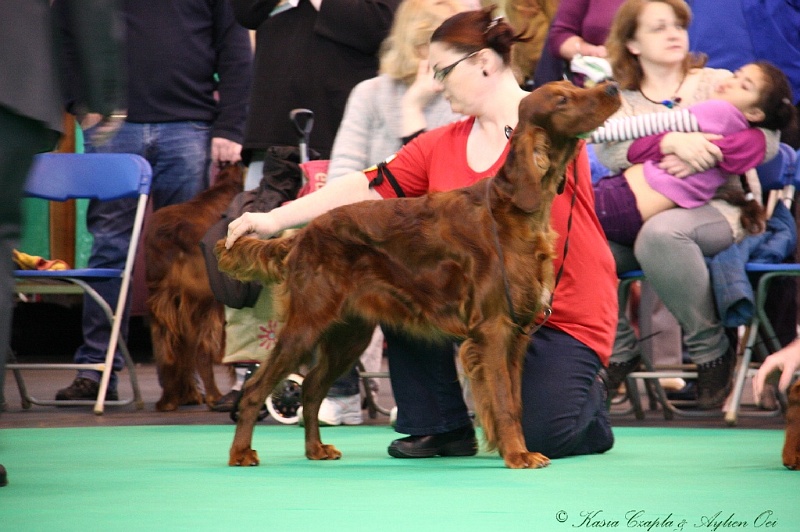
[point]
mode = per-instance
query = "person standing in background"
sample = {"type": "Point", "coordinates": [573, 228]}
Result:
{"type": "Point", "coordinates": [309, 56]}
{"type": "Point", "coordinates": [188, 66]}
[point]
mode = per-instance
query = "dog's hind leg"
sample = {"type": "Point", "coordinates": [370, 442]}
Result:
{"type": "Point", "coordinates": [485, 357]}
{"type": "Point", "coordinates": [210, 344]}
{"type": "Point", "coordinates": [295, 344]}
{"type": "Point", "coordinates": [339, 348]}
{"type": "Point", "coordinates": [174, 373]}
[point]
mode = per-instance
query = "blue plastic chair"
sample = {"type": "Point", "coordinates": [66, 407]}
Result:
{"type": "Point", "coordinates": [63, 176]}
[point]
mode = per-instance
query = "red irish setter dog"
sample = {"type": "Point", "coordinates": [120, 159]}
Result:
{"type": "Point", "coordinates": [473, 264]}
{"type": "Point", "coordinates": [186, 322]}
{"type": "Point", "coordinates": [791, 448]}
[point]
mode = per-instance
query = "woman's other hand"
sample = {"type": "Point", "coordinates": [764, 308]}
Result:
{"type": "Point", "coordinates": [695, 149]}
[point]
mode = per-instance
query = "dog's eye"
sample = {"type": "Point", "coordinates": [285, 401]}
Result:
{"type": "Point", "coordinates": [562, 100]}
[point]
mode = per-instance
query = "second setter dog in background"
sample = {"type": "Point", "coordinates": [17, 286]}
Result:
{"type": "Point", "coordinates": [473, 263]}
{"type": "Point", "coordinates": [187, 322]}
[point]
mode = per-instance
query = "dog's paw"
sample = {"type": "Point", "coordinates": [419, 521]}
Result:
{"type": "Point", "coordinates": [166, 405]}
{"type": "Point", "coordinates": [791, 457]}
{"type": "Point", "coordinates": [244, 457]}
{"type": "Point", "coordinates": [526, 460]}
{"type": "Point", "coordinates": [321, 451]}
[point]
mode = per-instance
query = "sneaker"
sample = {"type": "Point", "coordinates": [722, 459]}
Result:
{"type": "Point", "coordinates": [715, 381]}
{"type": "Point", "coordinates": [336, 411]}
{"type": "Point", "coordinates": [226, 402]}
{"type": "Point", "coordinates": [617, 372]}
{"type": "Point", "coordinates": [84, 389]}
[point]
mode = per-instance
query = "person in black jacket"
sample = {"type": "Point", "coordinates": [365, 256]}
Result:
{"type": "Point", "coordinates": [189, 68]}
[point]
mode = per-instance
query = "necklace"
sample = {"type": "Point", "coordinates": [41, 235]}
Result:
{"type": "Point", "coordinates": [670, 103]}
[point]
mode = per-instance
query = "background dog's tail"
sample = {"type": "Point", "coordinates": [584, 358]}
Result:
{"type": "Point", "coordinates": [253, 259]}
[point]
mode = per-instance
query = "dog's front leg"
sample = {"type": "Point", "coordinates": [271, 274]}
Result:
{"type": "Point", "coordinates": [486, 364]}
{"type": "Point", "coordinates": [339, 349]}
{"type": "Point", "coordinates": [791, 447]}
{"type": "Point", "coordinates": [313, 394]}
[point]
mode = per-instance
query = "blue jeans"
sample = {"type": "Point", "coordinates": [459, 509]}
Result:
{"type": "Point", "coordinates": [179, 153]}
{"type": "Point", "coordinates": [563, 400]}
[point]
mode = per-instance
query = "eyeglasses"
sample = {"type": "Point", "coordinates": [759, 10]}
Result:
{"type": "Point", "coordinates": [440, 74]}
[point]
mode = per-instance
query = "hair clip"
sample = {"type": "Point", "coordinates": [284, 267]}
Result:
{"type": "Point", "coordinates": [494, 22]}
{"type": "Point", "coordinates": [786, 101]}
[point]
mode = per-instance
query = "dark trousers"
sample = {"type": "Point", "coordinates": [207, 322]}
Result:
{"type": "Point", "coordinates": [20, 139]}
{"type": "Point", "coordinates": [563, 401]}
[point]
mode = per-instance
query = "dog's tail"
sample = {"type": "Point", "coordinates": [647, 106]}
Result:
{"type": "Point", "coordinates": [253, 259]}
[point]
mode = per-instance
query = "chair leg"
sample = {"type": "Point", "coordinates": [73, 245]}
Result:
{"type": "Point", "coordinates": [734, 400]}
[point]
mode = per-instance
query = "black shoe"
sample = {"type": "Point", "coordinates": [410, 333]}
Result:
{"type": "Point", "coordinates": [226, 402]}
{"type": "Point", "coordinates": [715, 381]}
{"type": "Point", "coordinates": [84, 389]}
{"type": "Point", "coordinates": [3, 476]}
{"type": "Point", "coordinates": [459, 442]}
{"type": "Point", "coordinates": [617, 372]}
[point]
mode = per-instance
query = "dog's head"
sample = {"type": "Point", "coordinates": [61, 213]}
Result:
{"type": "Point", "coordinates": [551, 121]}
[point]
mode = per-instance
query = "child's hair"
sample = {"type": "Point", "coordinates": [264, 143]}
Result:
{"type": "Point", "coordinates": [776, 100]}
{"type": "Point", "coordinates": [779, 114]}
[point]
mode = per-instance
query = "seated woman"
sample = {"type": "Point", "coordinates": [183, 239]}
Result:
{"type": "Point", "coordinates": [757, 95]}
{"type": "Point", "coordinates": [648, 49]}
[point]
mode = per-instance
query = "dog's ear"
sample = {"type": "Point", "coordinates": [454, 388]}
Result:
{"type": "Point", "coordinates": [531, 152]}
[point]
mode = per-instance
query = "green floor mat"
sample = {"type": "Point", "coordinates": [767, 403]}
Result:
{"type": "Point", "coordinates": [176, 478]}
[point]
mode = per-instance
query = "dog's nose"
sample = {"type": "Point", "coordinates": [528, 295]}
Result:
{"type": "Point", "coordinates": [612, 89]}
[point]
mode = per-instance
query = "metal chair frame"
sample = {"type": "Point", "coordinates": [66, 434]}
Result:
{"type": "Point", "coordinates": [108, 176]}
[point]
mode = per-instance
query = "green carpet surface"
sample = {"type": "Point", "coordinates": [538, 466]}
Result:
{"type": "Point", "coordinates": [177, 478]}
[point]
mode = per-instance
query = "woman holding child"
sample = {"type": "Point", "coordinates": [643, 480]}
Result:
{"type": "Point", "coordinates": [649, 51]}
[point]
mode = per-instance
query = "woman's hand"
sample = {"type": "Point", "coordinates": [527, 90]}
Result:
{"type": "Point", "coordinates": [784, 363]}
{"type": "Point", "coordinates": [695, 149]}
{"type": "Point", "coordinates": [225, 151]}
{"type": "Point", "coordinates": [260, 223]}
{"type": "Point", "coordinates": [417, 97]}
{"type": "Point", "coordinates": [423, 89]}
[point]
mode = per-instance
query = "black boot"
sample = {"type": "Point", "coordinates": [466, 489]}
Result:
{"type": "Point", "coordinates": [715, 381]}
{"type": "Point", "coordinates": [617, 372]}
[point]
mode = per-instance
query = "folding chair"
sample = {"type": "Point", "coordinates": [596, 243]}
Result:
{"type": "Point", "coordinates": [783, 175]}
{"type": "Point", "coordinates": [62, 176]}
{"type": "Point", "coordinates": [780, 175]}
